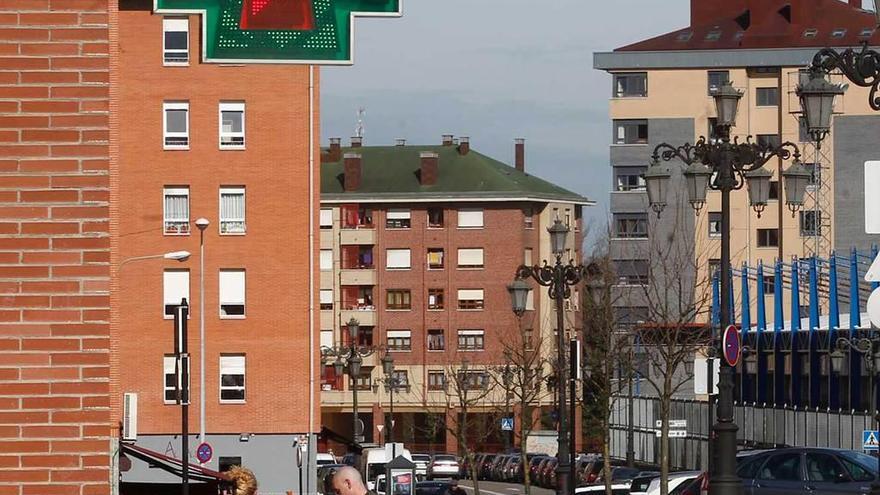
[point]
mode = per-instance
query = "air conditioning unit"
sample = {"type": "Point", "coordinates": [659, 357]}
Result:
{"type": "Point", "coordinates": [129, 417]}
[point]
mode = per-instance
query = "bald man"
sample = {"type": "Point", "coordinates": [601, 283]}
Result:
{"type": "Point", "coordinates": [348, 481]}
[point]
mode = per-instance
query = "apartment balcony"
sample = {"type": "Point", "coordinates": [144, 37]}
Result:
{"type": "Point", "coordinates": [366, 316]}
{"type": "Point", "coordinates": [359, 236]}
{"type": "Point", "coordinates": [357, 276]}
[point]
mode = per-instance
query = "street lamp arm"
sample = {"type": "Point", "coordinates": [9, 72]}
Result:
{"type": "Point", "coordinates": [861, 67]}
{"type": "Point", "coordinates": [862, 346]}
{"type": "Point", "coordinates": [687, 153]}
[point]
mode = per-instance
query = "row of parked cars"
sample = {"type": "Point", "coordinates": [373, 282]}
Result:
{"type": "Point", "coordinates": [509, 468]}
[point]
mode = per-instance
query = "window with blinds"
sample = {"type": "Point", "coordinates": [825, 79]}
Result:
{"type": "Point", "coordinates": [175, 41]}
{"type": "Point", "coordinates": [232, 378]}
{"type": "Point", "coordinates": [398, 219]}
{"type": "Point", "coordinates": [169, 366]}
{"type": "Point", "coordinates": [232, 210]}
{"type": "Point", "coordinates": [436, 380]}
{"type": "Point", "coordinates": [470, 258]}
{"type": "Point", "coordinates": [470, 299]}
{"type": "Point", "coordinates": [326, 260]}
{"type": "Point", "coordinates": [175, 286]}
{"type": "Point", "coordinates": [470, 219]}
{"type": "Point", "coordinates": [175, 125]}
{"type": "Point", "coordinates": [232, 293]}
{"type": "Point", "coordinates": [176, 210]}
{"type": "Point", "coordinates": [397, 259]}
{"type": "Point", "coordinates": [326, 299]}
{"type": "Point", "coordinates": [471, 340]}
{"type": "Point", "coordinates": [397, 299]}
{"type": "Point", "coordinates": [398, 340]}
{"type": "Point", "coordinates": [435, 258]}
{"type": "Point", "coordinates": [231, 125]}
{"type": "Point", "coordinates": [326, 218]}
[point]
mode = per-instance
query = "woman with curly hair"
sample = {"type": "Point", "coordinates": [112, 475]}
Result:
{"type": "Point", "coordinates": [244, 480]}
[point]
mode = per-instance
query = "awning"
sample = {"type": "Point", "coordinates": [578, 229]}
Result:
{"type": "Point", "coordinates": [172, 465]}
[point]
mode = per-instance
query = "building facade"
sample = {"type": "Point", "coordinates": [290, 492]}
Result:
{"type": "Point", "coordinates": [418, 244]}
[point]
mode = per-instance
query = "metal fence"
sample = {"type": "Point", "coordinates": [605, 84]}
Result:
{"type": "Point", "coordinates": [760, 426]}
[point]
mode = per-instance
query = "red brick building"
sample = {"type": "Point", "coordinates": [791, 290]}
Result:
{"type": "Point", "coordinates": [418, 244]}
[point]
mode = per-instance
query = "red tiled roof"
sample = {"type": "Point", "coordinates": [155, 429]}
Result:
{"type": "Point", "coordinates": [735, 24]}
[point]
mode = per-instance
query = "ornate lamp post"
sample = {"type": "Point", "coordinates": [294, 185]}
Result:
{"type": "Point", "coordinates": [725, 166]}
{"type": "Point", "coordinates": [558, 278]}
{"type": "Point", "coordinates": [393, 384]}
{"type": "Point", "coordinates": [350, 358]}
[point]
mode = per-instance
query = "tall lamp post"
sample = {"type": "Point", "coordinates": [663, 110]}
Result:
{"type": "Point", "coordinates": [725, 166]}
{"type": "Point", "coordinates": [202, 224]}
{"type": "Point", "coordinates": [350, 358]}
{"type": "Point", "coordinates": [558, 278]}
{"type": "Point", "coordinates": [393, 384]}
{"type": "Point", "coordinates": [870, 352]}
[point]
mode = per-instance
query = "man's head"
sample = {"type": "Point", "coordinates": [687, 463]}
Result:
{"type": "Point", "coordinates": [347, 481]}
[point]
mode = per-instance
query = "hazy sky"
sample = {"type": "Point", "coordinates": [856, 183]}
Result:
{"type": "Point", "coordinates": [495, 70]}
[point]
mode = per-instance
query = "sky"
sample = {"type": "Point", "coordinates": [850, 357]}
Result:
{"type": "Point", "coordinates": [496, 70]}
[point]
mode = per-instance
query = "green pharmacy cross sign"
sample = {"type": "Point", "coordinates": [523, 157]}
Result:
{"type": "Point", "coordinates": [279, 31]}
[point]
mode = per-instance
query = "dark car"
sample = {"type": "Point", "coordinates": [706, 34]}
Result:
{"type": "Point", "coordinates": [547, 476]}
{"type": "Point", "coordinates": [619, 474]}
{"type": "Point", "coordinates": [495, 469]}
{"type": "Point", "coordinates": [433, 487]}
{"type": "Point", "coordinates": [807, 470]}
{"type": "Point", "coordinates": [486, 465]}
{"type": "Point", "coordinates": [534, 464]}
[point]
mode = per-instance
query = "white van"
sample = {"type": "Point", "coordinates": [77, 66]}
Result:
{"type": "Point", "coordinates": [374, 460]}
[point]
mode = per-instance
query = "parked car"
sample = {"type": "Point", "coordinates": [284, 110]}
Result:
{"type": "Point", "coordinates": [814, 470]}
{"type": "Point", "coordinates": [509, 467]}
{"type": "Point", "coordinates": [495, 466]}
{"type": "Point", "coordinates": [675, 479]}
{"type": "Point", "coordinates": [534, 465]}
{"type": "Point", "coordinates": [323, 458]}
{"type": "Point", "coordinates": [486, 463]}
{"type": "Point", "coordinates": [443, 466]}
{"type": "Point", "coordinates": [640, 483]}
{"type": "Point", "coordinates": [699, 486]}
{"type": "Point", "coordinates": [547, 476]}
{"type": "Point", "coordinates": [616, 489]}
{"type": "Point", "coordinates": [433, 487]}
{"type": "Point", "coordinates": [619, 474]}
{"type": "Point", "coordinates": [421, 461]}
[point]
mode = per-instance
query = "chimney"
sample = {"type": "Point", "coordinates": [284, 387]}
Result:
{"type": "Point", "coordinates": [464, 145]}
{"type": "Point", "coordinates": [335, 149]}
{"type": "Point", "coordinates": [519, 149]}
{"type": "Point", "coordinates": [400, 142]}
{"type": "Point", "coordinates": [357, 141]}
{"type": "Point", "coordinates": [352, 174]}
{"type": "Point", "coordinates": [447, 140]}
{"type": "Point", "coordinates": [430, 168]}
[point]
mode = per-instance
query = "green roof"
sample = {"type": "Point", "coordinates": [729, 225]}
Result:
{"type": "Point", "coordinates": [391, 173]}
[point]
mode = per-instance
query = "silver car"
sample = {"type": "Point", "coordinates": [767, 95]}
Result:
{"type": "Point", "coordinates": [421, 461]}
{"type": "Point", "coordinates": [443, 466]}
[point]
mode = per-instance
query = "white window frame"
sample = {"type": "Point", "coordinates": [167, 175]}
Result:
{"type": "Point", "coordinates": [389, 266]}
{"type": "Point", "coordinates": [398, 214]}
{"type": "Point", "coordinates": [232, 366]}
{"type": "Point", "coordinates": [470, 333]}
{"type": "Point", "coordinates": [230, 295]}
{"type": "Point", "coordinates": [231, 106]}
{"type": "Point", "coordinates": [465, 223]}
{"type": "Point", "coordinates": [172, 297]}
{"type": "Point", "coordinates": [471, 295]}
{"type": "Point", "coordinates": [326, 217]}
{"type": "Point", "coordinates": [326, 260]}
{"type": "Point", "coordinates": [327, 338]}
{"type": "Point", "coordinates": [232, 225]}
{"type": "Point", "coordinates": [175, 25]}
{"type": "Point", "coordinates": [399, 334]}
{"type": "Point", "coordinates": [166, 134]}
{"type": "Point", "coordinates": [464, 253]}
{"type": "Point", "coordinates": [325, 297]}
{"type": "Point", "coordinates": [169, 365]}
{"type": "Point", "coordinates": [182, 224]}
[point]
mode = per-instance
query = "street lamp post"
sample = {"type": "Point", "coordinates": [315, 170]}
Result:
{"type": "Point", "coordinates": [350, 358]}
{"type": "Point", "coordinates": [725, 166]}
{"type": "Point", "coordinates": [869, 349]}
{"type": "Point", "coordinates": [558, 278]}
{"type": "Point", "coordinates": [393, 384]}
{"type": "Point", "coordinates": [202, 224]}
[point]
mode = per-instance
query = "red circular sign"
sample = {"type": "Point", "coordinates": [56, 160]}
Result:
{"type": "Point", "coordinates": [731, 345]}
{"type": "Point", "coordinates": [204, 452]}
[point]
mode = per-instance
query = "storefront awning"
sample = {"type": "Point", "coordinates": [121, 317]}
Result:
{"type": "Point", "coordinates": [172, 465]}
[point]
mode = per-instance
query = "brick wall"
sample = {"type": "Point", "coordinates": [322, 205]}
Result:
{"type": "Point", "coordinates": [54, 247]}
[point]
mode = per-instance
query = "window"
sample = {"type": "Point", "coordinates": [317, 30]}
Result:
{"type": "Point", "coordinates": [399, 340]}
{"type": "Point", "coordinates": [435, 299]}
{"type": "Point", "coordinates": [684, 37]}
{"type": "Point", "coordinates": [169, 365]}
{"type": "Point", "coordinates": [631, 85]}
{"type": "Point", "coordinates": [713, 35]}
{"type": "Point", "coordinates": [767, 97]}
{"type": "Point", "coordinates": [326, 218]}
{"type": "Point", "coordinates": [814, 173]}
{"type": "Point", "coordinates": [176, 210]}
{"type": "Point", "coordinates": [401, 378]}
{"type": "Point", "coordinates": [231, 126]}
{"type": "Point", "coordinates": [714, 224]}
{"type": "Point", "coordinates": [470, 258]}
{"type": "Point", "coordinates": [630, 132]}
{"type": "Point", "coordinates": [769, 284]}
{"type": "Point", "coordinates": [357, 217]}
{"type": "Point", "coordinates": [810, 33]}
{"type": "Point", "coordinates": [436, 380]}
{"type": "Point", "coordinates": [232, 210]}
{"type": "Point", "coordinates": [630, 315]}
{"type": "Point", "coordinates": [632, 272]}
{"type": "Point", "coordinates": [175, 41]}
{"type": "Point", "coordinates": [530, 300]}
{"type": "Point", "coordinates": [714, 267]}
{"type": "Point", "coordinates": [810, 227]}
{"type": "Point", "coordinates": [529, 339]}
{"type": "Point", "coordinates": [436, 339]}
{"type": "Point", "coordinates": [327, 338]}
{"type": "Point", "coordinates": [857, 471]}
{"type": "Point", "coordinates": [527, 256]}
{"type": "Point", "coordinates": [712, 132]}
{"type": "Point", "coordinates": [473, 380]}
{"type": "Point", "coordinates": [397, 259]}
{"type": "Point", "coordinates": [631, 225]}
{"type": "Point", "coordinates": [232, 293]}
{"type": "Point", "coordinates": [232, 378]}
{"type": "Point", "coordinates": [838, 33]}
{"type": "Point", "coordinates": [768, 237]}
{"type": "Point", "coordinates": [326, 260]}
{"type": "Point", "coordinates": [470, 298]}
{"type": "Point", "coordinates": [397, 219]}
{"type": "Point", "coordinates": [176, 287]}
{"type": "Point", "coordinates": [783, 467]}
{"type": "Point", "coordinates": [748, 468]}
{"type": "Point", "coordinates": [176, 125]}
{"type": "Point", "coordinates": [226, 463]}
{"type": "Point", "coordinates": [768, 140]}
{"type": "Point", "coordinates": [866, 32]}
{"type": "Point", "coordinates": [630, 178]}
{"type": "Point", "coordinates": [717, 78]}
{"type": "Point", "coordinates": [397, 299]}
{"type": "Point", "coordinates": [471, 340]}
{"type": "Point", "coordinates": [529, 218]}
{"type": "Point", "coordinates": [470, 219]}
{"type": "Point", "coordinates": [435, 258]}
{"type": "Point", "coordinates": [774, 190]}
{"type": "Point", "coordinates": [435, 218]}
{"type": "Point", "coordinates": [326, 299]}
{"type": "Point", "coordinates": [364, 381]}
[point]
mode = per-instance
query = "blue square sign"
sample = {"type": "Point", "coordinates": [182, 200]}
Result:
{"type": "Point", "coordinates": [870, 440]}
{"type": "Point", "coordinates": [506, 424]}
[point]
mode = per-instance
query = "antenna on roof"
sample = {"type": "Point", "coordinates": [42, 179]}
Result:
{"type": "Point", "coordinates": [359, 129]}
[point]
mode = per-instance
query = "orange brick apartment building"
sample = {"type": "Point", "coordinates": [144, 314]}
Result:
{"type": "Point", "coordinates": [112, 144]}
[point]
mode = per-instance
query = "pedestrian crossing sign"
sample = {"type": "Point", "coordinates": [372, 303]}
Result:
{"type": "Point", "coordinates": [870, 440]}
{"type": "Point", "coordinates": [506, 424]}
